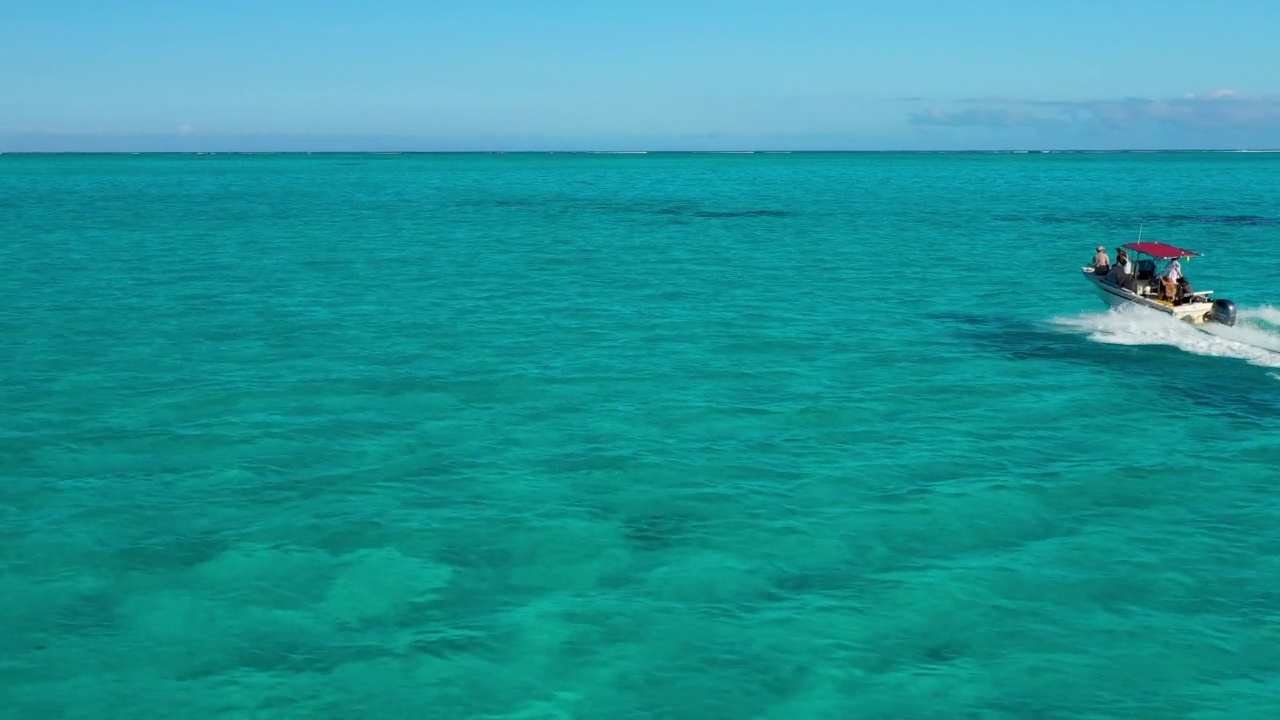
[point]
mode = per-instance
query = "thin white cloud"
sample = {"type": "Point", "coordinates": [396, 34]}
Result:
{"type": "Point", "coordinates": [1222, 109]}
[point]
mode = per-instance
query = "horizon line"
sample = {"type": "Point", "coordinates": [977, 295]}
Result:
{"type": "Point", "coordinates": [1009, 151]}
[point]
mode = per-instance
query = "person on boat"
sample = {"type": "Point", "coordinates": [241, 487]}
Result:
{"type": "Point", "coordinates": [1172, 272]}
{"type": "Point", "coordinates": [1122, 273]}
{"type": "Point", "coordinates": [1186, 293]}
{"type": "Point", "coordinates": [1101, 261]}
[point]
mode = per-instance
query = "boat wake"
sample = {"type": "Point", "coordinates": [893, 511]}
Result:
{"type": "Point", "coordinates": [1255, 338]}
{"type": "Point", "coordinates": [1265, 316]}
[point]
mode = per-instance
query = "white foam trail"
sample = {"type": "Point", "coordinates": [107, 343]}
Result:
{"type": "Point", "coordinates": [1260, 330]}
{"type": "Point", "coordinates": [1140, 326]}
{"type": "Point", "coordinates": [1264, 315]}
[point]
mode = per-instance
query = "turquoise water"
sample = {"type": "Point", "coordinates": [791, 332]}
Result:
{"type": "Point", "coordinates": [633, 436]}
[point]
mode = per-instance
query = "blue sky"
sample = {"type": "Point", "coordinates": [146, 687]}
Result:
{"type": "Point", "coordinates": [489, 75]}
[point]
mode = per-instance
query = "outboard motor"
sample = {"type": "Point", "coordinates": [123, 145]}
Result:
{"type": "Point", "coordinates": [1223, 312]}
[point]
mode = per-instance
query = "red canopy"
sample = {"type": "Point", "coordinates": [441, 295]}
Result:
{"type": "Point", "coordinates": [1160, 250]}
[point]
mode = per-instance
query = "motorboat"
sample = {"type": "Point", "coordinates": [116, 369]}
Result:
{"type": "Point", "coordinates": [1144, 287]}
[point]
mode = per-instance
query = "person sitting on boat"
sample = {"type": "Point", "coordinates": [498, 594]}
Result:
{"type": "Point", "coordinates": [1101, 261]}
{"type": "Point", "coordinates": [1122, 273]}
{"type": "Point", "coordinates": [1186, 293]}
{"type": "Point", "coordinates": [1172, 272]}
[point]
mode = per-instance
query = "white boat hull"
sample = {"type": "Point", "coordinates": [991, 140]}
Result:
{"type": "Point", "coordinates": [1196, 313]}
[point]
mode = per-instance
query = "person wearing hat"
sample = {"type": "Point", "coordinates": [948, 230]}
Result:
{"type": "Point", "coordinates": [1172, 273]}
{"type": "Point", "coordinates": [1101, 261]}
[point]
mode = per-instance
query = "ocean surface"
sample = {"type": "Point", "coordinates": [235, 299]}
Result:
{"type": "Point", "coordinates": [661, 436]}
